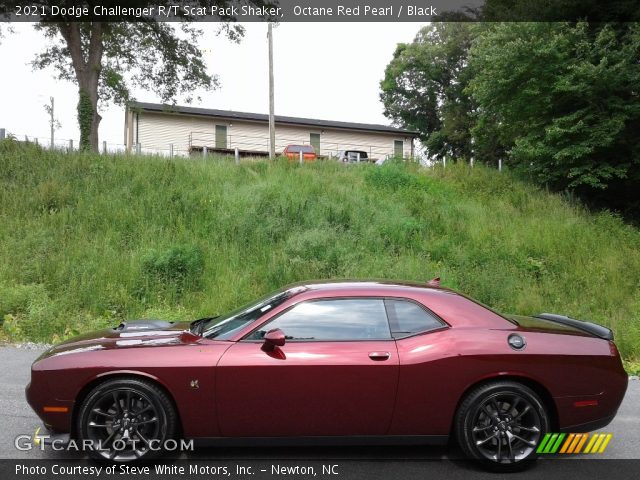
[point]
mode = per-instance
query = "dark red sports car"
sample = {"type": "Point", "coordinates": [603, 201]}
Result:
{"type": "Point", "coordinates": [334, 362]}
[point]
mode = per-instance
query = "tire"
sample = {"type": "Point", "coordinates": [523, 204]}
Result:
{"type": "Point", "coordinates": [501, 424]}
{"type": "Point", "coordinates": [126, 420]}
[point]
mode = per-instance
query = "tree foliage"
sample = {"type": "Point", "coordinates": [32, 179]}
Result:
{"type": "Point", "coordinates": [563, 99]}
{"type": "Point", "coordinates": [108, 60]}
{"type": "Point", "coordinates": [424, 88]}
{"type": "Point", "coordinates": [558, 101]}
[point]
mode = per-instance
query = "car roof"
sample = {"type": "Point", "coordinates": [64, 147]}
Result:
{"type": "Point", "coordinates": [378, 287]}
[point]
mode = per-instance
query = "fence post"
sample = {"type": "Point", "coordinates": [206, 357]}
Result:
{"type": "Point", "coordinates": [358, 157]}
{"type": "Point", "coordinates": [237, 155]}
{"type": "Point", "coordinates": [2, 133]}
{"type": "Point", "coordinates": [138, 148]}
{"type": "Point", "coordinates": [204, 151]}
{"type": "Point", "coordinates": [104, 147]}
{"type": "Point", "coordinates": [471, 161]}
{"type": "Point", "coordinates": [71, 145]}
{"type": "Point", "coordinates": [36, 139]}
{"type": "Point", "coordinates": [499, 164]}
{"type": "Point", "coordinates": [171, 150]}
{"type": "Point", "coordinates": [301, 156]}
{"type": "Point", "coordinates": [444, 162]}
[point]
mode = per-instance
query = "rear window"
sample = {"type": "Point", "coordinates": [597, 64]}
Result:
{"type": "Point", "coordinates": [354, 153]}
{"type": "Point", "coordinates": [300, 148]}
{"type": "Point", "coordinates": [408, 318]}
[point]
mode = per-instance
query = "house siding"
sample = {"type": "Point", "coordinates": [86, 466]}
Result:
{"type": "Point", "coordinates": [156, 131]}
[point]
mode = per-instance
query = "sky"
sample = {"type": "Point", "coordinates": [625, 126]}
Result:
{"type": "Point", "coordinates": [328, 71]}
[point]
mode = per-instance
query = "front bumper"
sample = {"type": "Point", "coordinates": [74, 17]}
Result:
{"type": "Point", "coordinates": [55, 439]}
{"type": "Point", "coordinates": [38, 398]}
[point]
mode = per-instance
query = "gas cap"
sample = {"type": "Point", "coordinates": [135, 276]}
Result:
{"type": "Point", "coordinates": [516, 341]}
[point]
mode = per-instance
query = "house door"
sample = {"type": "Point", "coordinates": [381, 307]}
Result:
{"type": "Point", "coordinates": [314, 140]}
{"type": "Point", "coordinates": [398, 148]}
{"type": "Point", "coordinates": [221, 136]}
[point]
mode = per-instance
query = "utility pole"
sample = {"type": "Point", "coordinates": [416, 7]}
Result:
{"type": "Point", "coordinates": [272, 123]}
{"type": "Point", "coordinates": [52, 121]}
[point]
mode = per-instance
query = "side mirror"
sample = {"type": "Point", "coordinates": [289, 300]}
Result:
{"type": "Point", "coordinates": [272, 339]}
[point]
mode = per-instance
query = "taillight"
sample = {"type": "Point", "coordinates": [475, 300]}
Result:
{"type": "Point", "coordinates": [613, 349]}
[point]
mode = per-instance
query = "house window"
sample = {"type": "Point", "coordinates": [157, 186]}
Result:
{"type": "Point", "coordinates": [398, 148]}
{"type": "Point", "coordinates": [221, 136]}
{"type": "Point", "coordinates": [314, 140]}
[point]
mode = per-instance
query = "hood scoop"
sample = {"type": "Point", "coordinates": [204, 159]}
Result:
{"type": "Point", "coordinates": [143, 325]}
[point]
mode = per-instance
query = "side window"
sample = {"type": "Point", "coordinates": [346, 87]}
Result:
{"type": "Point", "coordinates": [331, 319]}
{"type": "Point", "coordinates": [407, 318]}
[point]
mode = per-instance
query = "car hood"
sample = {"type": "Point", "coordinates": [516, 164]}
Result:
{"type": "Point", "coordinates": [134, 334]}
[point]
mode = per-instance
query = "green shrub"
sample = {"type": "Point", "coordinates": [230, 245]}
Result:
{"type": "Point", "coordinates": [15, 299]}
{"type": "Point", "coordinates": [177, 269]}
{"type": "Point", "coordinates": [392, 176]}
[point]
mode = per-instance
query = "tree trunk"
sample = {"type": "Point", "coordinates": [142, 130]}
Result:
{"type": "Point", "coordinates": [88, 116]}
{"type": "Point", "coordinates": [86, 58]}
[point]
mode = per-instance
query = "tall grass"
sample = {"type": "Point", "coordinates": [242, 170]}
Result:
{"type": "Point", "coordinates": [88, 240]}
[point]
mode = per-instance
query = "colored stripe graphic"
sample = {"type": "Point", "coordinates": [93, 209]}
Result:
{"type": "Point", "coordinates": [567, 443]}
{"type": "Point", "coordinates": [574, 442]}
{"type": "Point", "coordinates": [543, 443]}
{"type": "Point", "coordinates": [550, 443]}
{"type": "Point", "coordinates": [605, 443]}
{"type": "Point", "coordinates": [555, 447]}
{"type": "Point", "coordinates": [591, 442]}
{"type": "Point", "coordinates": [584, 439]}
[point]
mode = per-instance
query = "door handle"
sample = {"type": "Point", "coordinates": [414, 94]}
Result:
{"type": "Point", "coordinates": [379, 356]}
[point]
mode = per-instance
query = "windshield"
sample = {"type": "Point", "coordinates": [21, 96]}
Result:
{"type": "Point", "coordinates": [225, 326]}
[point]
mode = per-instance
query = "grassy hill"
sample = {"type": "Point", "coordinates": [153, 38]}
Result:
{"type": "Point", "coordinates": [88, 240]}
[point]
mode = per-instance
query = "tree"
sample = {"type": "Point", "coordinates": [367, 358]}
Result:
{"type": "Point", "coordinates": [107, 59]}
{"type": "Point", "coordinates": [424, 88]}
{"type": "Point", "coordinates": [563, 99]}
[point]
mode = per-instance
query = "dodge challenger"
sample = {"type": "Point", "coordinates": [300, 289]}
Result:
{"type": "Point", "coordinates": [340, 362]}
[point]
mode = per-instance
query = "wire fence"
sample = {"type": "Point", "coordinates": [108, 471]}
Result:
{"type": "Point", "coordinates": [207, 144]}
{"type": "Point", "coordinates": [62, 144]}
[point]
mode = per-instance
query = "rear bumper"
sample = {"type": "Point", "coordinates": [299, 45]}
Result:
{"type": "Point", "coordinates": [589, 426]}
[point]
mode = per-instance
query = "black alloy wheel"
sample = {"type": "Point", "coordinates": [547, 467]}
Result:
{"type": "Point", "coordinates": [126, 420]}
{"type": "Point", "coordinates": [501, 424]}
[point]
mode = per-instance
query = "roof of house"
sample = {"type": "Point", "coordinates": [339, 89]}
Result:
{"type": "Point", "coordinates": [260, 117]}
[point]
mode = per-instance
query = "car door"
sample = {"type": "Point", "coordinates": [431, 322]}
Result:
{"type": "Point", "coordinates": [336, 375]}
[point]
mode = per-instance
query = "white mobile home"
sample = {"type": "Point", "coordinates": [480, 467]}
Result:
{"type": "Point", "coordinates": [157, 127]}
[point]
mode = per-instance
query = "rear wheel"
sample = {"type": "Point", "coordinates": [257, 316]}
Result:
{"type": "Point", "coordinates": [126, 420]}
{"type": "Point", "coordinates": [501, 424]}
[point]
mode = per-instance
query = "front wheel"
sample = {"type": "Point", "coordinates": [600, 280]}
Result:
{"type": "Point", "coordinates": [501, 424]}
{"type": "Point", "coordinates": [123, 420]}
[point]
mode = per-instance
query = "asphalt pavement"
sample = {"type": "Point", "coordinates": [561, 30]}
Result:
{"type": "Point", "coordinates": [17, 418]}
